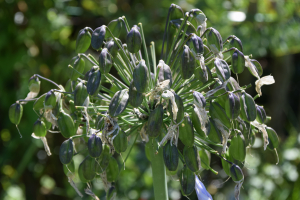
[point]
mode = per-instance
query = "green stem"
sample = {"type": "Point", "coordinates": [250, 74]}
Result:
{"type": "Point", "coordinates": [158, 171]}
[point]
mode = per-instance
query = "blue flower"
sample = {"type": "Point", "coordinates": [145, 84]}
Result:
{"type": "Point", "coordinates": [201, 191]}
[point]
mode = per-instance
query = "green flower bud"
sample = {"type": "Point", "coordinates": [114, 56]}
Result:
{"type": "Point", "coordinates": [66, 152]}
{"type": "Point", "coordinates": [171, 156]}
{"type": "Point", "coordinates": [83, 41]}
{"type": "Point", "coordinates": [134, 40]}
{"type": "Point", "coordinates": [141, 77]}
{"type": "Point", "coordinates": [98, 37]}
{"type": "Point", "coordinates": [94, 146]}
{"type": "Point", "coordinates": [118, 103]}
{"type": "Point", "coordinates": [15, 113]}
{"type": "Point", "coordinates": [39, 128]}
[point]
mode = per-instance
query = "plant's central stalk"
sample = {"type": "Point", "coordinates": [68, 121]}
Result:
{"type": "Point", "coordinates": [158, 171]}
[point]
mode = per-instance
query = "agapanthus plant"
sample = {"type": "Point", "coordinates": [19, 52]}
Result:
{"type": "Point", "coordinates": [184, 108]}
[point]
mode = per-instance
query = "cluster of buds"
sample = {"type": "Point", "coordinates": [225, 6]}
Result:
{"type": "Point", "coordinates": [189, 104]}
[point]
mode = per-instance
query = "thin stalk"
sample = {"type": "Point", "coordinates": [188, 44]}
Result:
{"type": "Point", "coordinates": [152, 49]}
{"type": "Point", "coordinates": [47, 80]}
{"type": "Point", "coordinates": [145, 51]}
{"type": "Point", "coordinates": [176, 37]}
{"type": "Point", "coordinates": [158, 171]}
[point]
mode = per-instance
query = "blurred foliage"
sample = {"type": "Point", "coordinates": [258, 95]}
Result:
{"type": "Point", "coordinates": [39, 37]}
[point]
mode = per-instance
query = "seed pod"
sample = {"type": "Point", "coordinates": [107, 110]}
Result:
{"type": "Point", "coordinates": [80, 173]}
{"type": "Point", "coordinates": [186, 131]}
{"type": "Point", "coordinates": [58, 106]}
{"type": "Point", "coordinates": [83, 40]}
{"type": "Point", "coordinates": [179, 103]}
{"type": "Point", "coordinates": [248, 109]}
{"type": "Point", "coordinates": [226, 165]}
{"type": "Point", "coordinates": [134, 40]}
{"type": "Point", "coordinates": [105, 61]}
{"type": "Point", "coordinates": [273, 138]}
{"type": "Point", "coordinates": [155, 122]}
{"type": "Point", "coordinates": [205, 159]}
{"type": "Point", "coordinates": [187, 180]}
{"type": "Point", "coordinates": [221, 99]}
{"type": "Point", "coordinates": [99, 123]}
{"type": "Point", "coordinates": [196, 45]}
{"type": "Point", "coordinates": [236, 173]}
{"type": "Point", "coordinates": [214, 40]}
{"type": "Point", "coordinates": [217, 112]}
{"type": "Point", "coordinates": [79, 65]}
{"type": "Point", "coordinates": [188, 63]}
{"type": "Point", "coordinates": [261, 114]}
{"type": "Point", "coordinates": [15, 113]}
{"type": "Point", "coordinates": [66, 152]}
{"type": "Point", "coordinates": [66, 125]}
{"type": "Point", "coordinates": [165, 72]}
{"type": "Point", "coordinates": [232, 85]}
{"type": "Point", "coordinates": [115, 26]}
{"type": "Point", "coordinates": [214, 134]}
{"type": "Point", "coordinates": [103, 159]}
{"type": "Point", "coordinates": [171, 157]}
{"type": "Point", "coordinates": [135, 97]}
{"type": "Point", "coordinates": [50, 100]}
{"type": "Point", "coordinates": [203, 74]}
{"type": "Point", "coordinates": [175, 11]}
{"type": "Point", "coordinates": [39, 128]}
{"type": "Point", "coordinates": [197, 123]}
{"type": "Point", "coordinates": [198, 17]}
{"type": "Point", "coordinates": [252, 138]}
{"type": "Point", "coordinates": [192, 158]}
{"type": "Point", "coordinates": [237, 62]}
{"type": "Point", "coordinates": [88, 168]}
{"type": "Point", "coordinates": [222, 69]}
{"type": "Point", "coordinates": [232, 106]}
{"type": "Point", "coordinates": [237, 148]}
{"type": "Point", "coordinates": [246, 131]}
{"type": "Point", "coordinates": [111, 193]}
{"type": "Point", "coordinates": [120, 142]}
{"type": "Point", "coordinates": [112, 47]}
{"type": "Point", "coordinates": [95, 146]}
{"type": "Point", "coordinates": [47, 124]}
{"type": "Point", "coordinates": [81, 97]}
{"type": "Point", "coordinates": [236, 42]}
{"type": "Point", "coordinates": [199, 99]}
{"type": "Point", "coordinates": [118, 103]}
{"type": "Point", "coordinates": [257, 68]}
{"type": "Point", "coordinates": [39, 103]}
{"type": "Point", "coordinates": [98, 37]}
{"type": "Point", "coordinates": [112, 170]}
{"type": "Point", "coordinates": [93, 84]}
{"type": "Point", "coordinates": [140, 77]}
{"type": "Point", "coordinates": [69, 169]}
{"type": "Point", "coordinates": [34, 84]}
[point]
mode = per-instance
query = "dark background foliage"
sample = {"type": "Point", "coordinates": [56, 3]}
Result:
{"type": "Point", "coordinates": [39, 37]}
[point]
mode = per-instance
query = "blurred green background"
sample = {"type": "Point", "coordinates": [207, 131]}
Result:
{"type": "Point", "coordinates": [39, 37]}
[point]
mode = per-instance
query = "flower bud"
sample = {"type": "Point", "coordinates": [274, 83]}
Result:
{"type": "Point", "coordinates": [105, 61]}
{"type": "Point", "coordinates": [39, 128]}
{"type": "Point", "coordinates": [141, 77]}
{"type": "Point", "coordinates": [248, 108]}
{"type": "Point", "coordinates": [188, 63]}
{"type": "Point", "coordinates": [15, 113]}
{"type": "Point", "coordinates": [120, 142]}
{"type": "Point", "coordinates": [50, 100]}
{"type": "Point", "coordinates": [98, 37]}
{"type": "Point", "coordinates": [232, 106]}
{"type": "Point", "coordinates": [186, 131]}
{"type": "Point", "coordinates": [95, 146]}
{"type": "Point", "coordinates": [214, 40]}
{"type": "Point", "coordinates": [171, 156]}
{"type": "Point", "coordinates": [155, 122]}
{"type": "Point", "coordinates": [187, 180]}
{"type": "Point", "coordinates": [222, 69]}
{"type": "Point", "coordinates": [134, 40]}
{"type": "Point", "coordinates": [115, 26]}
{"type": "Point", "coordinates": [79, 65]}
{"type": "Point", "coordinates": [261, 114]}
{"type": "Point", "coordinates": [93, 84]}
{"type": "Point", "coordinates": [237, 62]}
{"type": "Point", "coordinates": [66, 152]}
{"type": "Point", "coordinates": [237, 148]}
{"type": "Point", "coordinates": [192, 158]}
{"type": "Point", "coordinates": [83, 41]}
{"type": "Point", "coordinates": [118, 103]}
{"type": "Point", "coordinates": [135, 97]}
{"type": "Point", "coordinates": [112, 170]}
{"type": "Point", "coordinates": [66, 125]}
